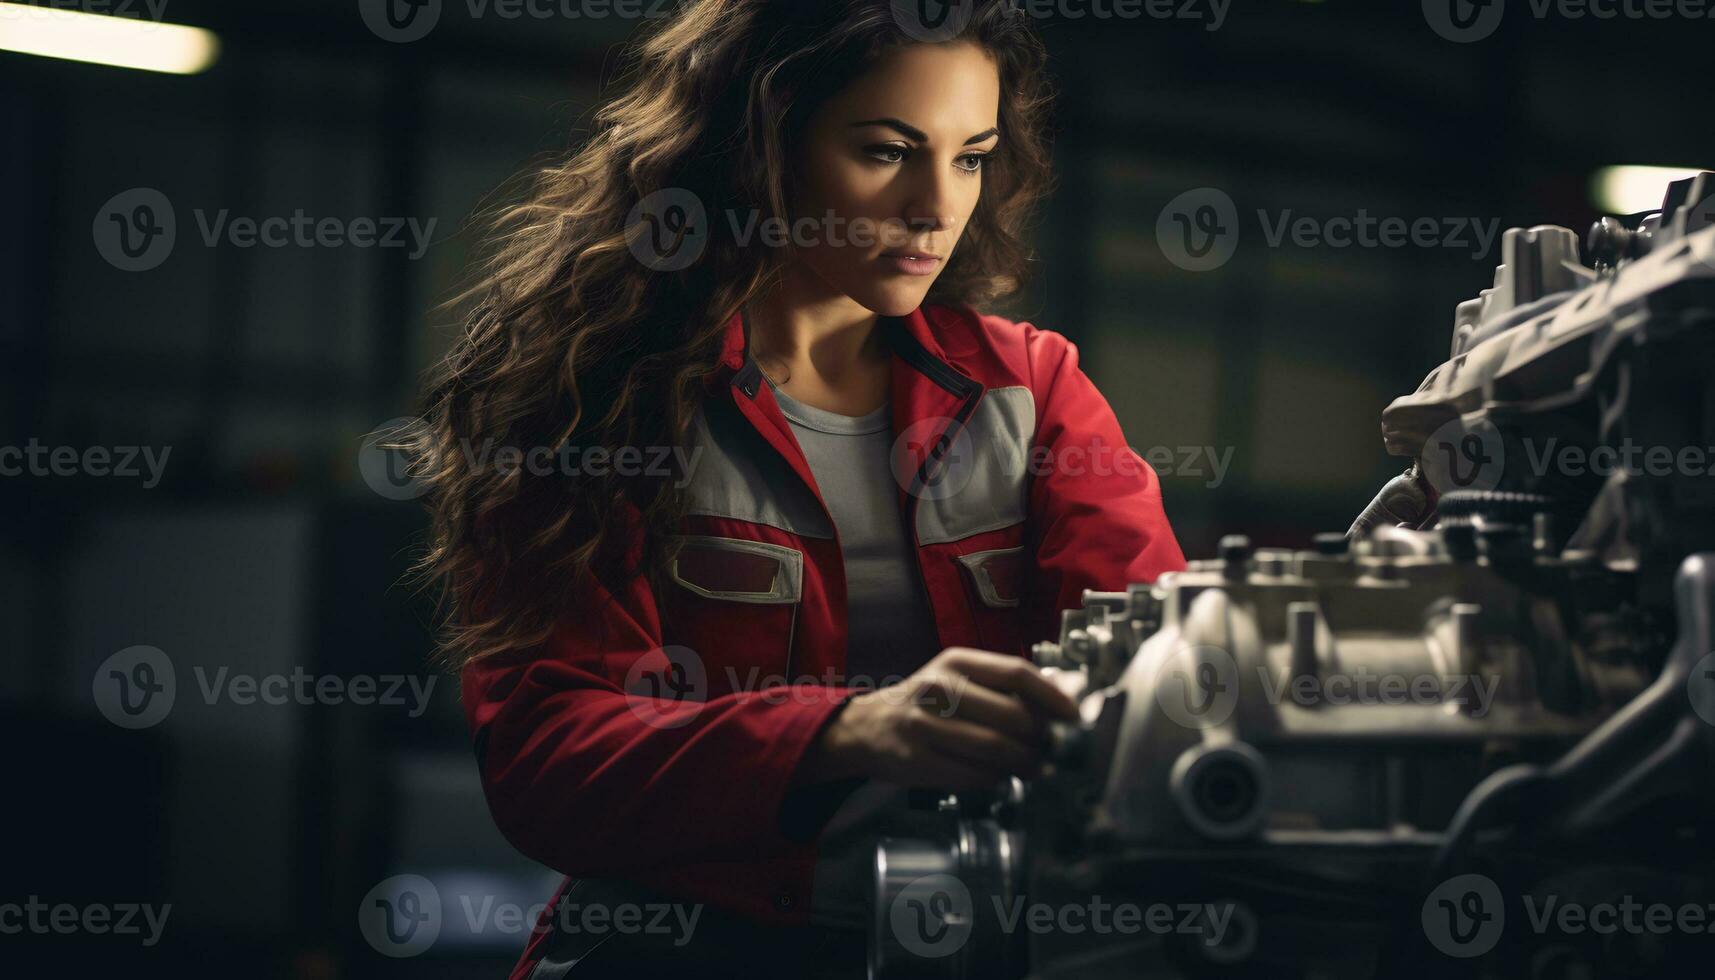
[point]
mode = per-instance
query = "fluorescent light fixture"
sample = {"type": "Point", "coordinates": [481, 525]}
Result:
{"type": "Point", "coordinates": [123, 42]}
{"type": "Point", "coordinates": [1628, 190]}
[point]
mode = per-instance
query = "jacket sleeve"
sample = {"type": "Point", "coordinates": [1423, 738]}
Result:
{"type": "Point", "coordinates": [588, 777]}
{"type": "Point", "coordinates": [1095, 506]}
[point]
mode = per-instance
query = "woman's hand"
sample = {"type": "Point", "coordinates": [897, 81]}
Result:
{"type": "Point", "coordinates": [965, 720]}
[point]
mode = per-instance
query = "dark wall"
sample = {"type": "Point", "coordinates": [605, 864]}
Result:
{"type": "Point", "coordinates": [262, 549]}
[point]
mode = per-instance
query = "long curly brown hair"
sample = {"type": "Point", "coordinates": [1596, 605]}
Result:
{"type": "Point", "coordinates": [571, 340]}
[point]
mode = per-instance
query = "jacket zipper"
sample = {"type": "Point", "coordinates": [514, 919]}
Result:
{"type": "Point", "coordinates": [947, 378]}
{"type": "Point", "coordinates": [792, 639]}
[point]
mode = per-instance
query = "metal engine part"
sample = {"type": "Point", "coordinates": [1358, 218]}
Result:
{"type": "Point", "coordinates": [1388, 755]}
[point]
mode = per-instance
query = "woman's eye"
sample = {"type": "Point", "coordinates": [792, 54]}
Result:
{"type": "Point", "coordinates": [894, 153]}
{"type": "Point", "coordinates": [886, 152]}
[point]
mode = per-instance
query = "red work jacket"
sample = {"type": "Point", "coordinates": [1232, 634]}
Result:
{"type": "Point", "coordinates": [655, 738]}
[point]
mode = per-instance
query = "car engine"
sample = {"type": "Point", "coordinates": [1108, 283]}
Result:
{"type": "Point", "coordinates": [1470, 737]}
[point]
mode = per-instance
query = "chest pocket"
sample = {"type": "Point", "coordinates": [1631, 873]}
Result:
{"type": "Point", "coordinates": [996, 575]}
{"type": "Point", "coordinates": [983, 478]}
{"type": "Point", "coordinates": [994, 580]}
{"type": "Point", "coordinates": [735, 603]}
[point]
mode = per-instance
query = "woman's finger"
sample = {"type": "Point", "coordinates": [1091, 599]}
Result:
{"type": "Point", "coordinates": [955, 695]}
{"type": "Point", "coordinates": [1014, 675]}
{"type": "Point", "coordinates": [982, 747]}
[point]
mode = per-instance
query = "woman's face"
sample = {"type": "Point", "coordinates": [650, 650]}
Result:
{"type": "Point", "coordinates": [891, 170]}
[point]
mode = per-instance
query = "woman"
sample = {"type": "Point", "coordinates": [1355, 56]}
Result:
{"type": "Point", "coordinates": [818, 507]}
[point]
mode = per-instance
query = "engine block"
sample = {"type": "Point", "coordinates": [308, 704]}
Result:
{"type": "Point", "coordinates": [1470, 737]}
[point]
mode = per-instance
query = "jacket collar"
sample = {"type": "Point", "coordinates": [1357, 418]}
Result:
{"type": "Point", "coordinates": [925, 386]}
{"type": "Point", "coordinates": [911, 338]}
{"type": "Point", "coordinates": [930, 400]}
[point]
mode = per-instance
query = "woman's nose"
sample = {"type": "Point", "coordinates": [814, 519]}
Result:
{"type": "Point", "coordinates": [932, 222]}
{"type": "Point", "coordinates": [931, 208]}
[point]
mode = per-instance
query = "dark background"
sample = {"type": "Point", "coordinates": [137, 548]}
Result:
{"type": "Point", "coordinates": [263, 549]}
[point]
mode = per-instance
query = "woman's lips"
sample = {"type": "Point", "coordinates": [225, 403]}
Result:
{"type": "Point", "coordinates": [912, 265]}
